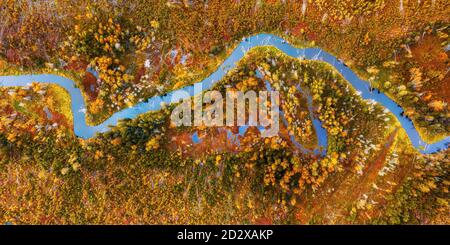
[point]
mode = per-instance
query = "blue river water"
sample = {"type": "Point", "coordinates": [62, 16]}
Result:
{"type": "Point", "coordinates": [321, 133]}
{"type": "Point", "coordinates": [81, 129]}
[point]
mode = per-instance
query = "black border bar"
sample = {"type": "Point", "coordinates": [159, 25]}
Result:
{"type": "Point", "coordinates": [171, 233]}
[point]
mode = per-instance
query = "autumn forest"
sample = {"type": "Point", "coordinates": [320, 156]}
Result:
{"type": "Point", "coordinates": [364, 127]}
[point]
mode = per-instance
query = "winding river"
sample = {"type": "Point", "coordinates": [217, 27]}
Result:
{"type": "Point", "coordinates": [81, 129]}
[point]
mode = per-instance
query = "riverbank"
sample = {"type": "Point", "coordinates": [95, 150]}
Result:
{"type": "Point", "coordinates": [155, 103]}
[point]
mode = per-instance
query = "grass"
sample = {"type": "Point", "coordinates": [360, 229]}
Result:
{"type": "Point", "coordinates": [63, 101]}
